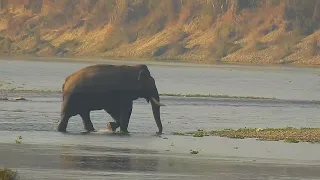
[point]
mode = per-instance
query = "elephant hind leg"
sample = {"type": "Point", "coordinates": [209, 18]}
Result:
{"type": "Point", "coordinates": [87, 121]}
{"type": "Point", "coordinates": [66, 114]}
{"type": "Point", "coordinates": [116, 117]}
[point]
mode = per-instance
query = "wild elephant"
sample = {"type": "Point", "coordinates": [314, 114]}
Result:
{"type": "Point", "coordinates": [112, 88]}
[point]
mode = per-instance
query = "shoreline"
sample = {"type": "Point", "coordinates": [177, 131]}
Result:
{"type": "Point", "coordinates": [14, 93]}
{"type": "Point", "coordinates": [150, 61]}
{"type": "Point", "coordinates": [29, 91]}
{"type": "Point", "coordinates": [161, 94]}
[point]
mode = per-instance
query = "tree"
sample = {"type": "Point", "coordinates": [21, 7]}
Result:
{"type": "Point", "coordinates": [3, 4]}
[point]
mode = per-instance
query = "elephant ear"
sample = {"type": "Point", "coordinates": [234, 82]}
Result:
{"type": "Point", "coordinates": [143, 74]}
{"type": "Point", "coordinates": [142, 78]}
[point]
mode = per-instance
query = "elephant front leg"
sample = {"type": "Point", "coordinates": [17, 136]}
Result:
{"type": "Point", "coordinates": [87, 121]}
{"type": "Point", "coordinates": [126, 111]}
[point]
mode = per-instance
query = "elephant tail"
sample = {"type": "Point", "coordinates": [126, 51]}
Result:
{"type": "Point", "coordinates": [64, 84]}
{"type": "Point", "coordinates": [62, 91]}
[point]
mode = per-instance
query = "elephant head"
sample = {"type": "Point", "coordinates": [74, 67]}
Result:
{"type": "Point", "coordinates": [150, 93]}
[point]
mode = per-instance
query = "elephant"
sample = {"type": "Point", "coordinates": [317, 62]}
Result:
{"type": "Point", "coordinates": [111, 88]}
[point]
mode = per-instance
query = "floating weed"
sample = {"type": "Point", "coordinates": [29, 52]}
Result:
{"type": "Point", "coordinates": [194, 152]}
{"type": "Point", "coordinates": [200, 133]}
{"type": "Point", "coordinates": [20, 99]}
{"type": "Point", "coordinates": [179, 133]}
{"type": "Point", "coordinates": [18, 140]}
{"type": "Point", "coordinates": [7, 174]}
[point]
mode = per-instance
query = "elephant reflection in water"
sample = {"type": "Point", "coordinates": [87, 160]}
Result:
{"type": "Point", "coordinates": [120, 162]}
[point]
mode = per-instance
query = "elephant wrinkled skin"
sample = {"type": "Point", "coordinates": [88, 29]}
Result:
{"type": "Point", "coordinates": [112, 88]}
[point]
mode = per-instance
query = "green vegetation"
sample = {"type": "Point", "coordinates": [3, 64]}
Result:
{"type": "Point", "coordinates": [288, 134]}
{"type": "Point", "coordinates": [7, 174]}
{"type": "Point", "coordinates": [179, 133]}
{"type": "Point", "coordinates": [194, 152]}
{"type": "Point", "coordinates": [18, 140]}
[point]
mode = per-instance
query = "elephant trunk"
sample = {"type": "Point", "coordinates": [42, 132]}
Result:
{"type": "Point", "coordinates": [156, 111]}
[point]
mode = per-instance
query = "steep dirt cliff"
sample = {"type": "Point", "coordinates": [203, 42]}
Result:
{"type": "Point", "coordinates": [205, 31]}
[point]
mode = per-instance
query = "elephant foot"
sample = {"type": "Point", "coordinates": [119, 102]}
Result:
{"type": "Point", "coordinates": [91, 130]}
{"type": "Point", "coordinates": [124, 131]}
{"type": "Point", "coordinates": [60, 129]}
{"type": "Point", "coordinates": [87, 132]}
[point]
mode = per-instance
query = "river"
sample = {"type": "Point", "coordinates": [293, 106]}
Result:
{"type": "Point", "coordinates": [143, 155]}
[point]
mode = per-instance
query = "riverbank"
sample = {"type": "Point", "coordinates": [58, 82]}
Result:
{"type": "Point", "coordinates": [192, 32]}
{"type": "Point", "coordinates": [151, 61]}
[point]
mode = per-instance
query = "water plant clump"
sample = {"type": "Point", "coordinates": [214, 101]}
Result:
{"type": "Point", "coordinates": [200, 133]}
{"type": "Point", "coordinates": [18, 140]}
{"type": "Point", "coordinates": [179, 133]}
{"type": "Point", "coordinates": [287, 134]}
{"type": "Point", "coordinates": [194, 152]}
{"type": "Point", "coordinates": [7, 174]}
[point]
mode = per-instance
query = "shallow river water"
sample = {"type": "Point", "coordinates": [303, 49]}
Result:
{"type": "Point", "coordinates": [45, 153]}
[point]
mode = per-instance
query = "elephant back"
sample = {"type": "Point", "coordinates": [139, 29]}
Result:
{"type": "Point", "coordinates": [104, 78]}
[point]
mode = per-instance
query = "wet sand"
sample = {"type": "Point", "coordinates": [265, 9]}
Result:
{"type": "Point", "coordinates": [147, 156]}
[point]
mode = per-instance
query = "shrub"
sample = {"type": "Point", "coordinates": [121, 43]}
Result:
{"type": "Point", "coordinates": [117, 37]}
{"type": "Point", "coordinates": [221, 49]}
{"type": "Point", "coordinates": [286, 43]}
{"type": "Point", "coordinates": [7, 174]}
{"type": "Point", "coordinates": [173, 49]}
{"type": "Point", "coordinates": [5, 45]}
{"type": "Point", "coordinates": [258, 45]}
